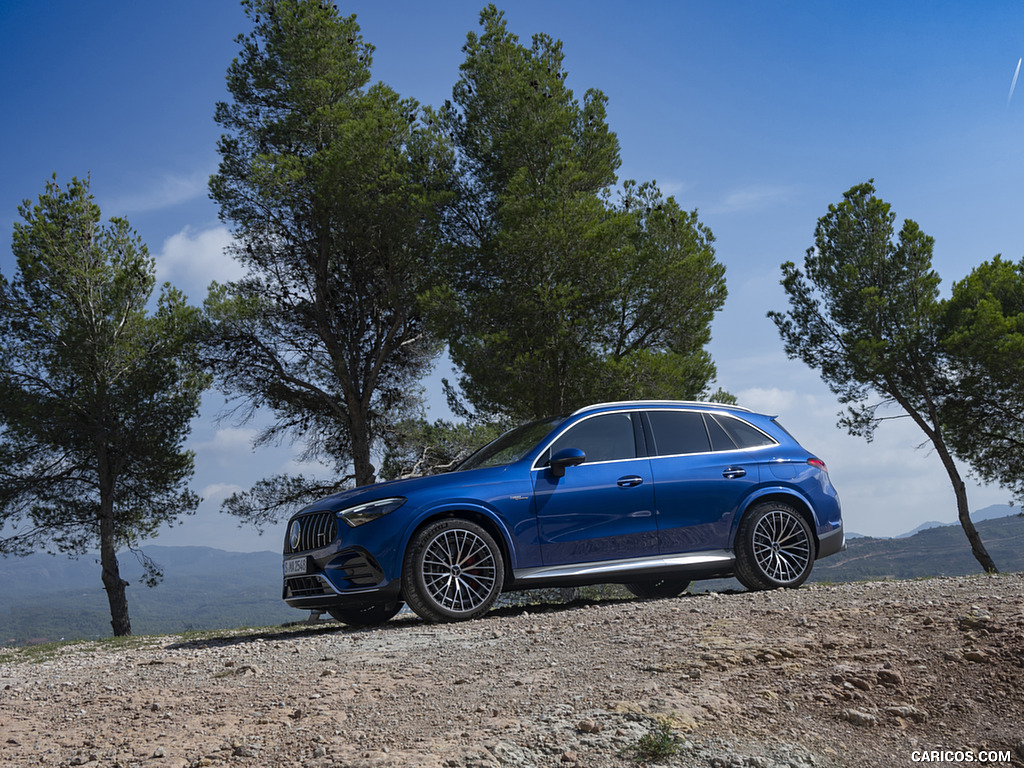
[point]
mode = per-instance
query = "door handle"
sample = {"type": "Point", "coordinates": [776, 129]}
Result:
{"type": "Point", "coordinates": [734, 472]}
{"type": "Point", "coordinates": [629, 481]}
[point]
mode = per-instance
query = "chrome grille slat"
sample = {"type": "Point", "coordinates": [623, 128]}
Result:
{"type": "Point", "coordinates": [318, 530]}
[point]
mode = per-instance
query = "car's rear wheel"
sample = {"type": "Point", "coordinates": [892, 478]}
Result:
{"type": "Point", "coordinates": [453, 570]}
{"type": "Point", "coordinates": [774, 547]}
{"type": "Point", "coordinates": [366, 616]}
{"type": "Point", "coordinates": [654, 588]}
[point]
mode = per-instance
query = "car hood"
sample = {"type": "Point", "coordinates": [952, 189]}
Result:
{"type": "Point", "coordinates": [411, 488]}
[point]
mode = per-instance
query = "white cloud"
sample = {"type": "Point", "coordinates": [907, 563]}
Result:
{"type": "Point", "coordinates": [192, 259]}
{"type": "Point", "coordinates": [167, 192]}
{"type": "Point", "coordinates": [229, 441]}
{"type": "Point", "coordinates": [752, 197]}
{"type": "Point", "coordinates": [771, 400]}
{"type": "Point", "coordinates": [219, 491]}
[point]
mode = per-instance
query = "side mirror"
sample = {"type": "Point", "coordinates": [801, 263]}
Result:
{"type": "Point", "coordinates": [567, 457]}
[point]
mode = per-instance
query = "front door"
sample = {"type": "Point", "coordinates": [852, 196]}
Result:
{"type": "Point", "coordinates": [602, 509]}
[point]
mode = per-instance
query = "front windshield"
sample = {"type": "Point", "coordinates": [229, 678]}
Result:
{"type": "Point", "coordinates": [512, 446]}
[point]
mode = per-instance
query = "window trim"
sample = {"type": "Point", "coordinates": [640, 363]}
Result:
{"type": "Point", "coordinates": [540, 462]}
{"type": "Point", "coordinates": [652, 440]}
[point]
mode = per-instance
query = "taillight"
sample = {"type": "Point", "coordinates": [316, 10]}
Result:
{"type": "Point", "coordinates": [818, 463]}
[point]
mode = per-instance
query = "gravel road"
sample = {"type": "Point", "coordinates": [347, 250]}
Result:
{"type": "Point", "coordinates": [866, 674]}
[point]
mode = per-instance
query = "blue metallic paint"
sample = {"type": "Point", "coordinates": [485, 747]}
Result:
{"type": "Point", "coordinates": [604, 513]}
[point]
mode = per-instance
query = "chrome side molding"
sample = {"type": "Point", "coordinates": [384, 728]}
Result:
{"type": "Point", "coordinates": [688, 560]}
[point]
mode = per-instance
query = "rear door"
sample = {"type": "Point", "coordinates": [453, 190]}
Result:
{"type": "Point", "coordinates": [701, 478]}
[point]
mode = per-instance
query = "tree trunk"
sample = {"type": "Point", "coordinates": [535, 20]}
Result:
{"type": "Point", "coordinates": [962, 509]}
{"type": "Point", "coordinates": [934, 433]}
{"type": "Point", "coordinates": [112, 581]}
{"type": "Point", "coordinates": [360, 439]}
{"type": "Point", "coordinates": [964, 514]}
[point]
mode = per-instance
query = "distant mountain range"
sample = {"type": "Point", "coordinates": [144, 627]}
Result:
{"type": "Point", "coordinates": [993, 512]}
{"type": "Point", "coordinates": [941, 550]}
{"type": "Point", "coordinates": [53, 598]}
{"type": "Point", "coordinates": [50, 598]}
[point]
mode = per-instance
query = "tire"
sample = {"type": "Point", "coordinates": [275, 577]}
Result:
{"type": "Point", "coordinates": [453, 571]}
{"type": "Point", "coordinates": [669, 586]}
{"type": "Point", "coordinates": [774, 547]}
{"type": "Point", "coordinates": [367, 616]}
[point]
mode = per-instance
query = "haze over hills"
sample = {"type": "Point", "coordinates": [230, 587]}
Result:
{"type": "Point", "coordinates": [51, 598]}
{"type": "Point", "coordinates": [992, 512]}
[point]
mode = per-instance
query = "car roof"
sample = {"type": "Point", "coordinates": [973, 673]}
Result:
{"type": "Point", "coordinates": [660, 404]}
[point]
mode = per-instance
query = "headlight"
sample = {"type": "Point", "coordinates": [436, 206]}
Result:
{"type": "Point", "coordinates": [371, 510]}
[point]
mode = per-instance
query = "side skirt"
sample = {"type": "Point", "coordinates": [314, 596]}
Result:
{"type": "Point", "coordinates": [703, 565]}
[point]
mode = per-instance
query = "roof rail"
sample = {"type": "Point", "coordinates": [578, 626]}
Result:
{"type": "Point", "coordinates": [641, 403]}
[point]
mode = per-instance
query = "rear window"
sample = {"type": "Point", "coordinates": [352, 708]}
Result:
{"type": "Point", "coordinates": [742, 434]}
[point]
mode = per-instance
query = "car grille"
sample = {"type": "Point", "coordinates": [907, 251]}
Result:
{"type": "Point", "coordinates": [318, 530]}
{"type": "Point", "coordinates": [304, 586]}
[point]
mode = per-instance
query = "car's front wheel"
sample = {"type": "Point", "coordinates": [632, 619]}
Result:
{"type": "Point", "coordinates": [774, 547]}
{"type": "Point", "coordinates": [453, 570]}
{"type": "Point", "coordinates": [366, 616]}
{"type": "Point", "coordinates": [659, 588]}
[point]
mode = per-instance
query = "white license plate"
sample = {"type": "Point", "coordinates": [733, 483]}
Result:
{"type": "Point", "coordinates": [295, 567]}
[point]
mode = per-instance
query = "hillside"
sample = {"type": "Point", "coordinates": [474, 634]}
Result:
{"type": "Point", "coordinates": [938, 551]}
{"type": "Point", "coordinates": [53, 598]}
{"type": "Point", "coordinates": [829, 676]}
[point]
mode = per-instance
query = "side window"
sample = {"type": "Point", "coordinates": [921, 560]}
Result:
{"type": "Point", "coordinates": [608, 437]}
{"type": "Point", "coordinates": [720, 440]}
{"type": "Point", "coordinates": [677, 432]}
{"type": "Point", "coordinates": [744, 435]}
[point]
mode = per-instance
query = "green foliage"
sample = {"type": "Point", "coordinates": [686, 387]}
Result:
{"type": "Point", "coordinates": [96, 394]}
{"type": "Point", "coordinates": [864, 311]}
{"type": "Point", "coordinates": [984, 338]}
{"type": "Point", "coordinates": [417, 447]}
{"type": "Point", "coordinates": [657, 745]}
{"type": "Point", "coordinates": [337, 191]}
{"type": "Point", "coordinates": [277, 497]}
{"type": "Point", "coordinates": [557, 295]}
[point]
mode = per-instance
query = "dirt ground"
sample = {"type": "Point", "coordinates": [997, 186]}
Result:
{"type": "Point", "coordinates": [865, 674]}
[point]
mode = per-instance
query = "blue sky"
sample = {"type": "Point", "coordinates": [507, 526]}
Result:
{"type": "Point", "coordinates": [759, 115]}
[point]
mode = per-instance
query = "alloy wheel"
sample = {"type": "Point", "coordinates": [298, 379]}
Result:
{"type": "Point", "coordinates": [781, 546]}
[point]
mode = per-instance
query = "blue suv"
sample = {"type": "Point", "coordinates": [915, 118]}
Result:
{"type": "Point", "coordinates": [647, 494]}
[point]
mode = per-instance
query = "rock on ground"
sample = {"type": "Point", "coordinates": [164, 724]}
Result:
{"type": "Point", "coordinates": [863, 674]}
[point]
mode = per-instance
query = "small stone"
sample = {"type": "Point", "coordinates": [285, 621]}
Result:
{"type": "Point", "coordinates": [857, 717]}
{"type": "Point", "coordinates": [245, 750]}
{"type": "Point", "coordinates": [589, 726]}
{"type": "Point", "coordinates": [979, 657]}
{"type": "Point", "coordinates": [908, 712]}
{"type": "Point", "coordinates": [890, 677]}
{"type": "Point", "coordinates": [159, 752]}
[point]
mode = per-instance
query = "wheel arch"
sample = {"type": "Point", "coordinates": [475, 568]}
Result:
{"type": "Point", "coordinates": [489, 523]}
{"type": "Point", "coordinates": [782, 496]}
